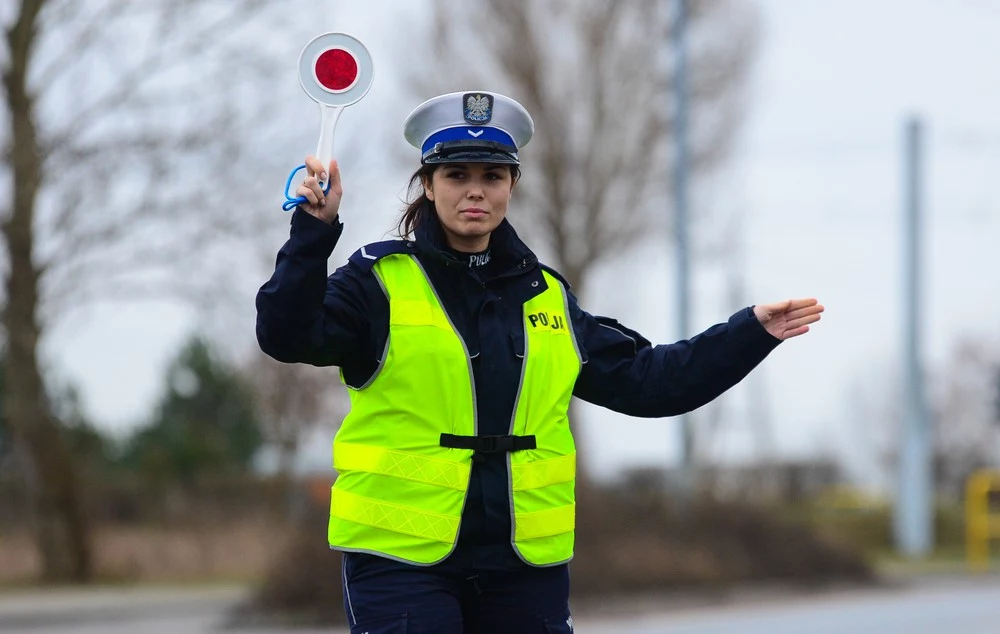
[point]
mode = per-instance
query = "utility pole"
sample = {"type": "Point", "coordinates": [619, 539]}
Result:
{"type": "Point", "coordinates": [914, 520]}
{"type": "Point", "coordinates": [687, 475]}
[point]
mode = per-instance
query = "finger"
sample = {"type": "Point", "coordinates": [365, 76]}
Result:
{"type": "Point", "coordinates": [795, 332]}
{"type": "Point", "coordinates": [313, 184]}
{"type": "Point", "coordinates": [794, 304]}
{"type": "Point", "coordinates": [307, 193]}
{"type": "Point", "coordinates": [802, 312]}
{"type": "Point", "coordinates": [313, 165]}
{"type": "Point", "coordinates": [792, 324]}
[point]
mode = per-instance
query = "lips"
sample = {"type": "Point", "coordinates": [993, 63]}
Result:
{"type": "Point", "coordinates": [474, 212]}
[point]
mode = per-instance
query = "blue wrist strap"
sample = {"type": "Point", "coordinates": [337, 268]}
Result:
{"type": "Point", "coordinates": [293, 202]}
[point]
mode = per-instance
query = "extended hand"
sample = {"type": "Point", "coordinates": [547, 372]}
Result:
{"type": "Point", "coordinates": [789, 318]}
{"type": "Point", "coordinates": [323, 206]}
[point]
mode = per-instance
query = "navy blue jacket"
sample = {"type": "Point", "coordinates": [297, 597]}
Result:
{"type": "Point", "coordinates": [343, 320]}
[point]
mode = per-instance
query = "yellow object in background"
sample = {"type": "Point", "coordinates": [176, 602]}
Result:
{"type": "Point", "coordinates": [981, 524]}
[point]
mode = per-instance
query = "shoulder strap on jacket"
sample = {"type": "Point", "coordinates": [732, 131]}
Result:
{"type": "Point", "coordinates": [368, 255]}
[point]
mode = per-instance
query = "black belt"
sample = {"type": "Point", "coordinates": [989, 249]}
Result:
{"type": "Point", "coordinates": [488, 444]}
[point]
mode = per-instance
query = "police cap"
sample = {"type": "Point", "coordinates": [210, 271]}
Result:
{"type": "Point", "coordinates": [469, 127]}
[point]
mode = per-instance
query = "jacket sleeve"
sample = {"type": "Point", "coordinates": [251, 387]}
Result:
{"type": "Point", "coordinates": [625, 373]}
{"type": "Point", "coordinates": [304, 316]}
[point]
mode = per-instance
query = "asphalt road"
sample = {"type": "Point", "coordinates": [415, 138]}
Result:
{"type": "Point", "coordinates": [949, 608]}
{"type": "Point", "coordinates": [946, 606]}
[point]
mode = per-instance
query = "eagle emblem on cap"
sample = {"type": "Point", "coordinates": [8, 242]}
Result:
{"type": "Point", "coordinates": [478, 108]}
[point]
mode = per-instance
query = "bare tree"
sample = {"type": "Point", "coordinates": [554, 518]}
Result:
{"type": "Point", "coordinates": [126, 130]}
{"type": "Point", "coordinates": [293, 400]}
{"type": "Point", "coordinates": [596, 77]}
{"type": "Point", "coordinates": [962, 394]}
{"type": "Point", "coordinates": [966, 437]}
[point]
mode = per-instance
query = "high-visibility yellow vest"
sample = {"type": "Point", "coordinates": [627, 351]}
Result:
{"type": "Point", "coordinates": [399, 493]}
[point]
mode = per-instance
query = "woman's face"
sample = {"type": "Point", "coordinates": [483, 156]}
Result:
{"type": "Point", "coordinates": [471, 200]}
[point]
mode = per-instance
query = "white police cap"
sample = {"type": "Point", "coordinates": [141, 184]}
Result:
{"type": "Point", "coordinates": [469, 127]}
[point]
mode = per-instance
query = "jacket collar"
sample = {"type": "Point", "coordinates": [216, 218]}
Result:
{"type": "Point", "coordinates": [506, 248]}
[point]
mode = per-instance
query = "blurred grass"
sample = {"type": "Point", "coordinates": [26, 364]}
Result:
{"type": "Point", "coordinates": [943, 561]}
{"type": "Point", "coordinates": [236, 552]}
{"type": "Point", "coordinates": [849, 516]}
{"type": "Point", "coordinates": [628, 540]}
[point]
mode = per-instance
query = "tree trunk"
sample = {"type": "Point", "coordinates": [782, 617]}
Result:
{"type": "Point", "coordinates": [62, 531]}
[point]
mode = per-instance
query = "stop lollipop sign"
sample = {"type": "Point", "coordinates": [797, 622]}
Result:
{"type": "Point", "coordinates": [335, 70]}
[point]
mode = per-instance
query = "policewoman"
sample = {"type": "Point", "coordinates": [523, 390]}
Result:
{"type": "Point", "coordinates": [454, 502]}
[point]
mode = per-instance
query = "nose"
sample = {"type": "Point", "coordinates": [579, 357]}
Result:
{"type": "Point", "coordinates": [475, 191]}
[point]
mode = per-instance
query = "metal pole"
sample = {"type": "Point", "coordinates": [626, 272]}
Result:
{"type": "Point", "coordinates": [914, 519]}
{"type": "Point", "coordinates": [686, 484]}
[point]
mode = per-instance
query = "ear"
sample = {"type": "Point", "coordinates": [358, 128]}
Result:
{"type": "Point", "coordinates": [428, 187]}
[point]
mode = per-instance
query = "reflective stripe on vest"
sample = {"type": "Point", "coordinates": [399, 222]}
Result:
{"type": "Point", "coordinates": [399, 493]}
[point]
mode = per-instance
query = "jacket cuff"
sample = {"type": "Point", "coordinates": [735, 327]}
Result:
{"type": "Point", "coordinates": [745, 327]}
{"type": "Point", "coordinates": [313, 237]}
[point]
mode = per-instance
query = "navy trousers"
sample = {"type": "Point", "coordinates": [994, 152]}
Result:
{"type": "Point", "coordinates": [382, 596]}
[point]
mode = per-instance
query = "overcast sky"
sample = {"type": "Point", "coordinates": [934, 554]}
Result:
{"type": "Point", "coordinates": [817, 179]}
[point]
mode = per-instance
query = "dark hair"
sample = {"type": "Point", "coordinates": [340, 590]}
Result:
{"type": "Point", "coordinates": [419, 205]}
{"type": "Point", "coordinates": [413, 215]}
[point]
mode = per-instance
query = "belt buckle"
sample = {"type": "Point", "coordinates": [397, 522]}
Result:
{"type": "Point", "coordinates": [491, 444]}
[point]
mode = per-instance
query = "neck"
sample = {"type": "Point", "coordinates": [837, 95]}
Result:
{"type": "Point", "coordinates": [467, 244]}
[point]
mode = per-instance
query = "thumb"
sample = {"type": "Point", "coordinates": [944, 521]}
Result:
{"type": "Point", "coordinates": [765, 312]}
{"type": "Point", "coordinates": [780, 307]}
{"type": "Point", "coordinates": [335, 184]}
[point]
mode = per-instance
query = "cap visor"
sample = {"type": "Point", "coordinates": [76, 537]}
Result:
{"type": "Point", "coordinates": [473, 157]}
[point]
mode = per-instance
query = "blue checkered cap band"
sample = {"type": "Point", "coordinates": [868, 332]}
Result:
{"type": "Point", "coordinates": [466, 117]}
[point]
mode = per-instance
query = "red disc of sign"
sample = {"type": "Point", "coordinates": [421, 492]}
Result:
{"type": "Point", "coordinates": [336, 69]}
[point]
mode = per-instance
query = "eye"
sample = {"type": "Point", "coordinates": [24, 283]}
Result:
{"type": "Point", "coordinates": [454, 174]}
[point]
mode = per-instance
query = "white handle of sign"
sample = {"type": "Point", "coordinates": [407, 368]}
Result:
{"type": "Point", "coordinates": [324, 151]}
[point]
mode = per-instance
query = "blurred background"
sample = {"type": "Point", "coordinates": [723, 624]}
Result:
{"type": "Point", "coordinates": [745, 150]}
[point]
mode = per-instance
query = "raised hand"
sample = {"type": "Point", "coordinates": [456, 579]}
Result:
{"type": "Point", "coordinates": [789, 318]}
{"type": "Point", "coordinates": [323, 206]}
